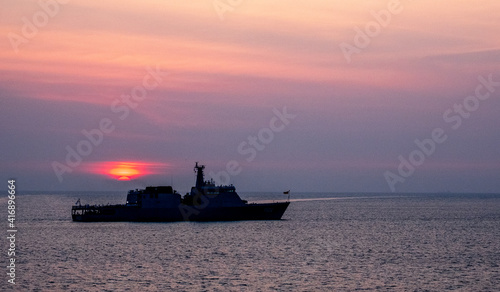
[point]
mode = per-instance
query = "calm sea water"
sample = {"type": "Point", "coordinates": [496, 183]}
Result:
{"type": "Point", "coordinates": [325, 242]}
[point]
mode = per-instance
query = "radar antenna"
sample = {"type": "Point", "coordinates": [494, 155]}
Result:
{"type": "Point", "coordinates": [199, 175]}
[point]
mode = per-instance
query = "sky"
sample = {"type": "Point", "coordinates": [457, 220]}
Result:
{"type": "Point", "coordinates": [307, 96]}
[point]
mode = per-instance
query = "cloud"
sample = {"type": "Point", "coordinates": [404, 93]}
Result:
{"type": "Point", "coordinates": [225, 77]}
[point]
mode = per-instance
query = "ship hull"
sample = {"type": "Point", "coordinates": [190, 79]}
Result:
{"type": "Point", "coordinates": [116, 213]}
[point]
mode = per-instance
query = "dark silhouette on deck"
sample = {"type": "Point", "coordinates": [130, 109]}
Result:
{"type": "Point", "coordinates": [206, 202]}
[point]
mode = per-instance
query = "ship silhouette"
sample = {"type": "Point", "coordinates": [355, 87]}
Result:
{"type": "Point", "coordinates": [206, 202]}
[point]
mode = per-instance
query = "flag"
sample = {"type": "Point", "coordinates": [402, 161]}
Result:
{"type": "Point", "coordinates": [286, 193]}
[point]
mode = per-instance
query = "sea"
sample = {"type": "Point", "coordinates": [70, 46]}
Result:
{"type": "Point", "coordinates": [324, 242]}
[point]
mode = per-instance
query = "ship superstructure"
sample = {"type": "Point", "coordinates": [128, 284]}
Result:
{"type": "Point", "coordinates": [206, 202]}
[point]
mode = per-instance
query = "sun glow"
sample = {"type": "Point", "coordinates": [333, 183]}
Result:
{"type": "Point", "coordinates": [125, 170]}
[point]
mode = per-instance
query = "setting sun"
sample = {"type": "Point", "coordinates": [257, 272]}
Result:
{"type": "Point", "coordinates": [125, 170]}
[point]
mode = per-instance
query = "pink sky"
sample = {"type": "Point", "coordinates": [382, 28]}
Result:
{"type": "Point", "coordinates": [223, 78]}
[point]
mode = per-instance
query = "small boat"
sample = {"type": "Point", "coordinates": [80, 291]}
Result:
{"type": "Point", "coordinates": [206, 202]}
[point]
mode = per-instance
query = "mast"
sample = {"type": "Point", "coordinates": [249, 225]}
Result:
{"type": "Point", "coordinates": [199, 175]}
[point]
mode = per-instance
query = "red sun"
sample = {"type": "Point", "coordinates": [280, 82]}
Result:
{"type": "Point", "coordinates": [126, 170]}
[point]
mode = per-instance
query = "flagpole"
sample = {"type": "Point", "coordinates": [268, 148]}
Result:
{"type": "Point", "coordinates": [287, 193]}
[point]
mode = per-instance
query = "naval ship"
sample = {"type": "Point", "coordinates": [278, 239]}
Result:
{"type": "Point", "coordinates": [206, 202]}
